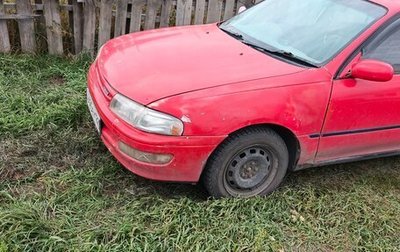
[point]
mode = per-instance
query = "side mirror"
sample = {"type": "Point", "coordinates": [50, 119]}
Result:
{"type": "Point", "coordinates": [241, 9]}
{"type": "Point", "coordinates": [372, 70]}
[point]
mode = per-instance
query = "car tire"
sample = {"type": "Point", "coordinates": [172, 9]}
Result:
{"type": "Point", "coordinates": [248, 163]}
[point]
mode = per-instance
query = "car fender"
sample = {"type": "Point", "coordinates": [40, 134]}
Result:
{"type": "Point", "coordinates": [299, 107]}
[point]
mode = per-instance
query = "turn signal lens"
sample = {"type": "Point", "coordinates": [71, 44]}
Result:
{"type": "Point", "coordinates": [151, 158]}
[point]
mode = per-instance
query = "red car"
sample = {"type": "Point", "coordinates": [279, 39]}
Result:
{"type": "Point", "coordinates": [283, 86]}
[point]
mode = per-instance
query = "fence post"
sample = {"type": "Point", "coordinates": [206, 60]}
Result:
{"type": "Point", "coordinates": [151, 14]}
{"type": "Point", "coordinates": [165, 13]}
{"type": "Point", "coordinates": [77, 12]}
{"type": "Point", "coordinates": [105, 21]}
{"type": "Point", "coordinates": [26, 26]}
{"type": "Point", "coordinates": [199, 13]}
{"type": "Point", "coordinates": [89, 26]}
{"type": "Point", "coordinates": [4, 37]}
{"type": "Point", "coordinates": [229, 9]}
{"type": "Point", "coordinates": [246, 3]}
{"type": "Point", "coordinates": [184, 12]}
{"type": "Point", "coordinates": [53, 27]}
{"type": "Point", "coordinates": [214, 11]}
{"type": "Point", "coordinates": [136, 15]}
{"type": "Point", "coordinates": [120, 18]}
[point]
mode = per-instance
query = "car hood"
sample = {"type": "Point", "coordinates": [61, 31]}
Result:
{"type": "Point", "coordinates": [156, 64]}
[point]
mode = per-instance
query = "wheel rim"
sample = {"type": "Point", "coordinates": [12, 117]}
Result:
{"type": "Point", "coordinates": [249, 171]}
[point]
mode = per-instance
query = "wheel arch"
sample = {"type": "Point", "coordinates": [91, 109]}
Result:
{"type": "Point", "coordinates": [290, 139]}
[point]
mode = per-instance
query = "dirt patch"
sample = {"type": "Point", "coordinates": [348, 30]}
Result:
{"type": "Point", "coordinates": [57, 80]}
{"type": "Point", "coordinates": [28, 153]}
{"type": "Point", "coordinates": [26, 156]}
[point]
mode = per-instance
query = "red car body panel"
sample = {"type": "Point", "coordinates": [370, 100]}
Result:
{"type": "Point", "coordinates": [253, 107]}
{"type": "Point", "coordinates": [216, 85]}
{"type": "Point", "coordinates": [181, 168]}
{"type": "Point", "coordinates": [361, 105]}
{"type": "Point", "coordinates": [184, 51]}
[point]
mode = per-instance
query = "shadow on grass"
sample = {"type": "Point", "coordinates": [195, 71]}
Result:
{"type": "Point", "coordinates": [381, 174]}
{"type": "Point", "coordinates": [138, 186]}
{"type": "Point", "coordinates": [54, 152]}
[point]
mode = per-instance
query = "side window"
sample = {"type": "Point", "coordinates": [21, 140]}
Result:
{"type": "Point", "coordinates": [387, 49]}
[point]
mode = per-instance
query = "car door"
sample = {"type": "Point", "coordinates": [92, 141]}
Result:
{"type": "Point", "coordinates": [363, 117]}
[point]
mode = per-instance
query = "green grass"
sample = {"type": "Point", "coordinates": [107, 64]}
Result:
{"type": "Point", "coordinates": [60, 189]}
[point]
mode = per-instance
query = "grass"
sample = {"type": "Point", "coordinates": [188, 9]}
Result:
{"type": "Point", "coordinates": [60, 189]}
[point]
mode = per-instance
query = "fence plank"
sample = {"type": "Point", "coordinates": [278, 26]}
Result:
{"type": "Point", "coordinates": [83, 16]}
{"type": "Point", "coordinates": [105, 21]}
{"type": "Point", "coordinates": [199, 13]}
{"type": "Point", "coordinates": [89, 26]}
{"type": "Point", "coordinates": [77, 12]}
{"type": "Point", "coordinates": [246, 3]}
{"type": "Point", "coordinates": [53, 27]}
{"type": "Point", "coordinates": [26, 27]}
{"type": "Point", "coordinates": [120, 18]}
{"type": "Point", "coordinates": [214, 11]}
{"type": "Point", "coordinates": [183, 12]}
{"type": "Point", "coordinates": [136, 15]}
{"type": "Point", "coordinates": [229, 9]}
{"type": "Point", "coordinates": [165, 13]}
{"type": "Point", "coordinates": [36, 6]}
{"type": "Point", "coordinates": [4, 37]}
{"type": "Point", "coordinates": [151, 14]}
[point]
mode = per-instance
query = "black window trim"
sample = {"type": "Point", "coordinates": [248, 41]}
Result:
{"type": "Point", "coordinates": [327, 61]}
{"type": "Point", "coordinates": [383, 30]}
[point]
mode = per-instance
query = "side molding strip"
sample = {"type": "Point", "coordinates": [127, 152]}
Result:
{"type": "Point", "coordinates": [357, 131]}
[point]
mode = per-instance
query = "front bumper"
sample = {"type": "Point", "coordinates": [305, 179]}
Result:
{"type": "Point", "coordinates": [190, 153]}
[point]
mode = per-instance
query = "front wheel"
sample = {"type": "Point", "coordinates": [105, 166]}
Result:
{"type": "Point", "coordinates": [250, 162]}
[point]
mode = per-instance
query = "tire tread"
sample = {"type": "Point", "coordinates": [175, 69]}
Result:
{"type": "Point", "coordinates": [209, 176]}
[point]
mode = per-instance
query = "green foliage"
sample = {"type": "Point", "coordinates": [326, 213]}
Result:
{"type": "Point", "coordinates": [60, 190]}
{"type": "Point", "coordinates": [36, 92]}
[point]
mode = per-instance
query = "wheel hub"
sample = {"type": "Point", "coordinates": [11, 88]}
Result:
{"type": "Point", "coordinates": [248, 169]}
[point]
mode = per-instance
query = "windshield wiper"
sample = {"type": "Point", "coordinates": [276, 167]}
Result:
{"type": "Point", "coordinates": [233, 34]}
{"type": "Point", "coordinates": [282, 54]}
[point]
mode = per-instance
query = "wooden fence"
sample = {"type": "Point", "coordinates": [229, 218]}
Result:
{"type": "Point", "coordinates": [74, 26]}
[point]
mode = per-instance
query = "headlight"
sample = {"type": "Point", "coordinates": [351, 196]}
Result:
{"type": "Point", "coordinates": [144, 118]}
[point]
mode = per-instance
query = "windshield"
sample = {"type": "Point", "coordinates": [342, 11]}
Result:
{"type": "Point", "coordinates": [312, 30]}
